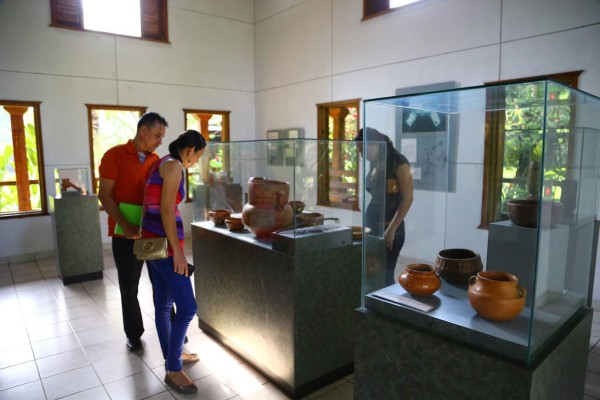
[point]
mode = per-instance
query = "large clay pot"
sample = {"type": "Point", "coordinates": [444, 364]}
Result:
{"type": "Point", "coordinates": [420, 279]}
{"type": "Point", "coordinates": [496, 295]}
{"type": "Point", "coordinates": [267, 209]}
{"type": "Point", "coordinates": [457, 265]}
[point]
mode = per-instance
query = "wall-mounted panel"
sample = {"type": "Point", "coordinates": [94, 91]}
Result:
{"type": "Point", "coordinates": [240, 10]}
{"type": "Point", "coordinates": [295, 46]}
{"type": "Point", "coordinates": [267, 8]}
{"type": "Point", "coordinates": [29, 45]}
{"type": "Point", "coordinates": [291, 106]}
{"type": "Point", "coordinates": [205, 51]}
{"type": "Point", "coordinates": [559, 52]}
{"type": "Point", "coordinates": [421, 30]}
{"type": "Point", "coordinates": [521, 19]}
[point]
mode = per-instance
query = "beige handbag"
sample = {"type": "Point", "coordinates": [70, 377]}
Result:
{"type": "Point", "coordinates": [151, 248]}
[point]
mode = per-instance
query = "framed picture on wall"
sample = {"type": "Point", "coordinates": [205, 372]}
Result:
{"type": "Point", "coordinates": [275, 134]}
{"type": "Point", "coordinates": [275, 147]}
{"type": "Point", "coordinates": [284, 152]}
{"type": "Point", "coordinates": [425, 135]}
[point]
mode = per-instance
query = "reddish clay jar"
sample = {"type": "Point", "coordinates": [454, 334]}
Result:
{"type": "Point", "coordinates": [420, 280]}
{"type": "Point", "coordinates": [267, 209]}
{"type": "Point", "coordinates": [496, 295]}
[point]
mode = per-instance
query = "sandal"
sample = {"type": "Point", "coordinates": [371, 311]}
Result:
{"type": "Point", "coordinates": [189, 358]}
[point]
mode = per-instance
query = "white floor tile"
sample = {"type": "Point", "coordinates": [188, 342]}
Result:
{"type": "Point", "coordinates": [63, 362]}
{"type": "Point", "coordinates": [70, 382]}
{"type": "Point", "coordinates": [138, 386]}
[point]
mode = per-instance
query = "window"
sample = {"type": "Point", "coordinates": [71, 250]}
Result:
{"type": "Point", "coordinates": [22, 189]}
{"type": "Point", "coordinates": [513, 140]}
{"type": "Point", "coordinates": [373, 8]}
{"type": "Point", "coordinates": [338, 168]}
{"type": "Point", "coordinates": [146, 19]}
{"type": "Point", "coordinates": [214, 126]}
{"type": "Point", "coordinates": [109, 126]}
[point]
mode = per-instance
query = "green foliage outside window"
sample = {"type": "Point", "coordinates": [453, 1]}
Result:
{"type": "Point", "coordinates": [524, 127]}
{"type": "Point", "coordinates": [9, 199]}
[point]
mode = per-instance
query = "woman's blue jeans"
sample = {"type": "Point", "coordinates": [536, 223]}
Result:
{"type": "Point", "coordinates": [169, 288]}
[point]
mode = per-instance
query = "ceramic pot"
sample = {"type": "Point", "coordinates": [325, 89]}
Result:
{"type": "Point", "coordinates": [267, 209]}
{"type": "Point", "coordinates": [297, 206]}
{"type": "Point", "coordinates": [234, 224]}
{"type": "Point", "coordinates": [525, 212]}
{"type": "Point", "coordinates": [457, 265]}
{"type": "Point", "coordinates": [420, 279]}
{"type": "Point", "coordinates": [218, 216]}
{"type": "Point", "coordinates": [496, 295]}
{"type": "Point", "coordinates": [306, 218]}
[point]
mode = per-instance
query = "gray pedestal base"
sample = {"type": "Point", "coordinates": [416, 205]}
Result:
{"type": "Point", "coordinates": [396, 361]}
{"type": "Point", "coordinates": [77, 238]}
{"type": "Point", "coordinates": [291, 317]}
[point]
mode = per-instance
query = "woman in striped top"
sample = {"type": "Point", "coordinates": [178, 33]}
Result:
{"type": "Point", "coordinates": [170, 278]}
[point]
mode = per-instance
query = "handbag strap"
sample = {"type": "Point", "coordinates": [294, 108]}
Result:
{"type": "Point", "coordinates": [152, 170]}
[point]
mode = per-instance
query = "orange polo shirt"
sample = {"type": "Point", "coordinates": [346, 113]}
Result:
{"type": "Point", "coordinates": [122, 165]}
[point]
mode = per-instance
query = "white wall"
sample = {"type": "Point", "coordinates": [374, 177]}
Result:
{"type": "Point", "coordinates": [316, 51]}
{"type": "Point", "coordinates": [209, 64]}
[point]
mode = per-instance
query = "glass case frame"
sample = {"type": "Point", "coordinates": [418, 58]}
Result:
{"type": "Point", "coordinates": [305, 171]}
{"type": "Point", "coordinates": [554, 261]}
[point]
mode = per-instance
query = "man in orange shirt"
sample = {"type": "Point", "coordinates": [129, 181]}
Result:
{"type": "Point", "coordinates": [123, 172]}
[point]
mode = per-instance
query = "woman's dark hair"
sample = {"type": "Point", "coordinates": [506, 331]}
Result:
{"type": "Point", "coordinates": [189, 138]}
{"type": "Point", "coordinates": [373, 135]}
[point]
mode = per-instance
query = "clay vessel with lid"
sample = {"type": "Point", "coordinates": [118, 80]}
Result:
{"type": "Point", "coordinates": [420, 279]}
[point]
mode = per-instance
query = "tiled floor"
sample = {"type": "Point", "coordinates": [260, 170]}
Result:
{"type": "Point", "coordinates": [67, 342]}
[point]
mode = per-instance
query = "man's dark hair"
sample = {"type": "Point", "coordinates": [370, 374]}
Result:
{"type": "Point", "coordinates": [151, 118]}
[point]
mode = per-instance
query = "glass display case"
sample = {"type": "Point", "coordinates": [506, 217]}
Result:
{"type": "Point", "coordinates": [273, 241]}
{"type": "Point", "coordinates": [507, 195]}
{"type": "Point", "coordinates": [315, 191]}
{"type": "Point", "coordinates": [71, 181]}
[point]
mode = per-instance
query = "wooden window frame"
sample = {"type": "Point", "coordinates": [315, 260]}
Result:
{"type": "Point", "coordinates": [326, 167]}
{"type": "Point", "coordinates": [225, 114]}
{"type": "Point", "coordinates": [68, 14]}
{"type": "Point", "coordinates": [21, 164]}
{"type": "Point", "coordinates": [375, 8]}
{"type": "Point", "coordinates": [90, 108]}
{"type": "Point", "coordinates": [493, 158]}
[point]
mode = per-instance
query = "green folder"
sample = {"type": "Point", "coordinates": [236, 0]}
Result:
{"type": "Point", "coordinates": [131, 212]}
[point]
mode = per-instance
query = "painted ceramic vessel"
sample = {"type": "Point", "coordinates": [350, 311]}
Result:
{"type": "Point", "coordinates": [267, 209]}
{"type": "Point", "coordinates": [457, 265]}
{"type": "Point", "coordinates": [496, 295]}
{"type": "Point", "coordinates": [420, 279]}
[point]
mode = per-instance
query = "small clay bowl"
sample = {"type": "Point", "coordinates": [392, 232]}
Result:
{"type": "Point", "coordinates": [234, 224]}
{"type": "Point", "coordinates": [297, 206]}
{"type": "Point", "coordinates": [219, 216]}
{"type": "Point", "coordinates": [314, 218]}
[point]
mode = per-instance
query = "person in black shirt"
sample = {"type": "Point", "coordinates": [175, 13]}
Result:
{"type": "Point", "coordinates": [390, 183]}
